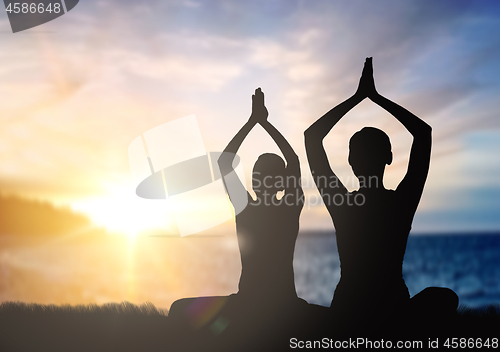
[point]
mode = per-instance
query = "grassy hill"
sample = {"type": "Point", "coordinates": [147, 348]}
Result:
{"type": "Point", "coordinates": [126, 327]}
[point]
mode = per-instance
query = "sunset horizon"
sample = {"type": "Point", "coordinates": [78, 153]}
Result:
{"type": "Point", "coordinates": [130, 133]}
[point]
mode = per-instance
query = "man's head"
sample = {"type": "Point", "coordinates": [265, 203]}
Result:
{"type": "Point", "coordinates": [269, 174]}
{"type": "Point", "coordinates": [369, 152]}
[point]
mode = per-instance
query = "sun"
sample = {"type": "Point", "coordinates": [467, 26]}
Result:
{"type": "Point", "coordinates": [127, 214]}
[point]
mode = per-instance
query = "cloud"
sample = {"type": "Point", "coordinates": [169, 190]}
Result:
{"type": "Point", "coordinates": [181, 71]}
{"type": "Point", "coordinates": [72, 103]}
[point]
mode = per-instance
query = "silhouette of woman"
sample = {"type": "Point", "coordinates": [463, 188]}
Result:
{"type": "Point", "coordinates": [267, 227]}
{"type": "Point", "coordinates": [373, 223]}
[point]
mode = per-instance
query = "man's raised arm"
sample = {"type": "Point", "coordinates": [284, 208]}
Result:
{"type": "Point", "coordinates": [314, 135]}
{"type": "Point", "coordinates": [418, 166]}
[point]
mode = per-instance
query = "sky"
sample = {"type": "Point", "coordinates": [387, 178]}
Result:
{"type": "Point", "coordinates": [76, 91]}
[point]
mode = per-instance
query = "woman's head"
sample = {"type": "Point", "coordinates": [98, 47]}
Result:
{"type": "Point", "coordinates": [269, 174]}
{"type": "Point", "coordinates": [369, 152]}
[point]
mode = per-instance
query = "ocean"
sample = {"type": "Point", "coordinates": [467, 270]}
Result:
{"type": "Point", "coordinates": [161, 270]}
{"type": "Point", "coordinates": [469, 264]}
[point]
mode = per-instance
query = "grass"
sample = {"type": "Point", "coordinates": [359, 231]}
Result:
{"type": "Point", "coordinates": [127, 327]}
{"type": "Point", "coordinates": [110, 327]}
{"type": "Point", "coordinates": [483, 321]}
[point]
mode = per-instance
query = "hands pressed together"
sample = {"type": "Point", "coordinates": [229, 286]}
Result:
{"type": "Point", "coordinates": [366, 87]}
{"type": "Point", "coordinates": [259, 110]}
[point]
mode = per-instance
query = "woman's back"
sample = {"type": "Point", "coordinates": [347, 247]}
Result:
{"type": "Point", "coordinates": [267, 232]}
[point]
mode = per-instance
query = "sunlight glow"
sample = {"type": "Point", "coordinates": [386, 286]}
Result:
{"type": "Point", "coordinates": [123, 212]}
{"type": "Point", "coordinates": [127, 214]}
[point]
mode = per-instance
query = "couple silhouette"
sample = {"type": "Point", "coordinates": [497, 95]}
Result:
{"type": "Point", "coordinates": [371, 232]}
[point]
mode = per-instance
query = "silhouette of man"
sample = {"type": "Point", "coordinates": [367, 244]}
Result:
{"type": "Point", "coordinates": [267, 227]}
{"type": "Point", "coordinates": [373, 223]}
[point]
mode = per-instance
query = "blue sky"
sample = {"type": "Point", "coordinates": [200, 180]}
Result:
{"type": "Point", "coordinates": [76, 91]}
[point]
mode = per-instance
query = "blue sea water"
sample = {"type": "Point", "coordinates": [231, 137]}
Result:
{"type": "Point", "coordinates": [469, 264]}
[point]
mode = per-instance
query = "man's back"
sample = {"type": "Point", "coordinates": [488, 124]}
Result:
{"type": "Point", "coordinates": [371, 241]}
{"type": "Point", "coordinates": [376, 230]}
